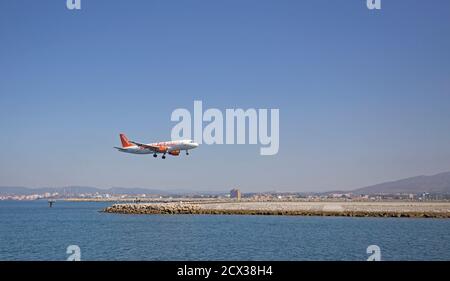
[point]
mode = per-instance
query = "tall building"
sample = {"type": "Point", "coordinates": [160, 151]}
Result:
{"type": "Point", "coordinates": [235, 193]}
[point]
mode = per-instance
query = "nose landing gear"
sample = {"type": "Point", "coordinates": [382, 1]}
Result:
{"type": "Point", "coordinates": [187, 152]}
{"type": "Point", "coordinates": [155, 155]}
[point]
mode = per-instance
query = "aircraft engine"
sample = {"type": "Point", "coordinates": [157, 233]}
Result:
{"type": "Point", "coordinates": [162, 149]}
{"type": "Point", "coordinates": [174, 152]}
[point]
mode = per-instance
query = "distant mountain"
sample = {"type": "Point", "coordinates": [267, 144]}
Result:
{"type": "Point", "coordinates": [439, 183]}
{"type": "Point", "coordinates": [14, 190]}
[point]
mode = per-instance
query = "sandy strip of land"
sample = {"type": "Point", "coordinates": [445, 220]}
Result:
{"type": "Point", "coordinates": [353, 209]}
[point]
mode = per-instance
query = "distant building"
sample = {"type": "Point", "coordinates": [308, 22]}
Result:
{"type": "Point", "coordinates": [235, 193]}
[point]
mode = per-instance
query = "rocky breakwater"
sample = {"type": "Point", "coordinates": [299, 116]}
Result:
{"type": "Point", "coordinates": [349, 209]}
{"type": "Point", "coordinates": [153, 208]}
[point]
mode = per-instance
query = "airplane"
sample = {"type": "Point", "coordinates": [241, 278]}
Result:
{"type": "Point", "coordinates": [170, 147]}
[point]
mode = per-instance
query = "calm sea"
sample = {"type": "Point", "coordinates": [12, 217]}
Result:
{"type": "Point", "coordinates": [33, 231]}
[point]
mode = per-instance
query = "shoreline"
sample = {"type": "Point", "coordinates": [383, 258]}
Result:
{"type": "Point", "coordinates": [342, 209]}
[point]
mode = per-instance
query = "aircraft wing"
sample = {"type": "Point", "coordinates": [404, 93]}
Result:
{"type": "Point", "coordinates": [151, 147]}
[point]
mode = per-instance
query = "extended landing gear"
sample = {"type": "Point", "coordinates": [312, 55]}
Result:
{"type": "Point", "coordinates": [187, 152]}
{"type": "Point", "coordinates": [164, 156]}
{"type": "Point", "coordinates": [155, 155]}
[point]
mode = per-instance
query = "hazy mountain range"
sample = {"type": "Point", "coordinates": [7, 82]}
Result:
{"type": "Point", "coordinates": [437, 184]}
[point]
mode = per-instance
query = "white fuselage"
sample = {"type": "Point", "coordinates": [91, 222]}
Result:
{"type": "Point", "coordinates": [166, 147]}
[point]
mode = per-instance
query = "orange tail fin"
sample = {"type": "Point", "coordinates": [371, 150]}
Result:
{"type": "Point", "coordinates": [125, 141]}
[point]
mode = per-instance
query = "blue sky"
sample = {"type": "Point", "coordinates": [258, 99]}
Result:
{"type": "Point", "coordinates": [364, 96]}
